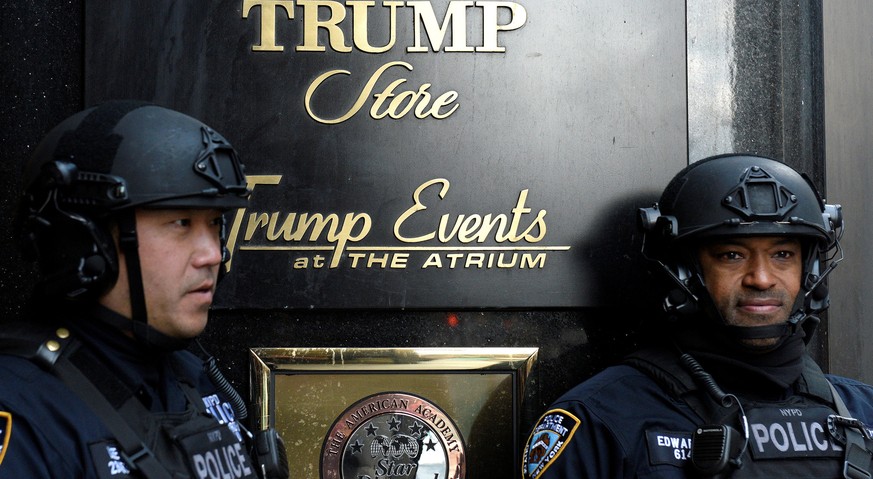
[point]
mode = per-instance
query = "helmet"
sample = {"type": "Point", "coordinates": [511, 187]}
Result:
{"type": "Point", "coordinates": [92, 170]}
{"type": "Point", "coordinates": [738, 195]}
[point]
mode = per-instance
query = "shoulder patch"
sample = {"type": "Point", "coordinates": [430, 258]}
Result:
{"type": "Point", "coordinates": [5, 432]}
{"type": "Point", "coordinates": [547, 441]}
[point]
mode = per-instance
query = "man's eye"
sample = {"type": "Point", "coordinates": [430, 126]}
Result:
{"type": "Point", "coordinates": [730, 255]}
{"type": "Point", "coordinates": [182, 222]}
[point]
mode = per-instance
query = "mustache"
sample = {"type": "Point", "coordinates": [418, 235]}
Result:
{"type": "Point", "coordinates": [765, 295]}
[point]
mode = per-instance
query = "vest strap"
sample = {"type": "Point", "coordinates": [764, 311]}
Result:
{"type": "Point", "coordinates": [858, 457]}
{"type": "Point", "coordinates": [135, 453]}
{"type": "Point", "coordinates": [56, 355]}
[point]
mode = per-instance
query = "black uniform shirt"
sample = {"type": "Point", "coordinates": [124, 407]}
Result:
{"type": "Point", "coordinates": [621, 424]}
{"type": "Point", "coordinates": [47, 431]}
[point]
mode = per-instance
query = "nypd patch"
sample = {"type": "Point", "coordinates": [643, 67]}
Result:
{"type": "Point", "coordinates": [5, 432]}
{"type": "Point", "coordinates": [790, 432]}
{"type": "Point", "coordinates": [547, 441]}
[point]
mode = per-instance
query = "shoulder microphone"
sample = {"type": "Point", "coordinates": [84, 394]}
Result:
{"type": "Point", "coordinates": [715, 446]}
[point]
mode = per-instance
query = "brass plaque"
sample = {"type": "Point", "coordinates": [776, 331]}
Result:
{"type": "Point", "coordinates": [363, 413]}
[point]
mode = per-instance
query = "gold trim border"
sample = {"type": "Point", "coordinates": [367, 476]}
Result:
{"type": "Point", "coordinates": [265, 362]}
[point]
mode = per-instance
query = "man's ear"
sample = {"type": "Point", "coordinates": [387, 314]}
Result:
{"type": "Point", "coordinates": [117, 296]}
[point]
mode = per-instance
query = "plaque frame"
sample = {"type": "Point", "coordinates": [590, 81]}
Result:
{"type": "Point", "coordinates": [303, 391]}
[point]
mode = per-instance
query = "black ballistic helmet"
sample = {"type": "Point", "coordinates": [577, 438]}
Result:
{"type": "Point", "coordinates": [738, 195]}
{"type": "Point", "coordinates": [95, 167]}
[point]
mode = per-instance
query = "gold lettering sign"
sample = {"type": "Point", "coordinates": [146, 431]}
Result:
{"type": "Point", "coordinates": [388, 102]}
{"type": "Point", "coordinates": [502, 240]}
{"type": "Point", "coordinates": [395, 98]}
{"type": "Point", "coordinates": [428, 32]}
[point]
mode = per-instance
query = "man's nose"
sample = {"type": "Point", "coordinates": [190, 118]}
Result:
{"type": "Point", "coordinates": [208, 248]}
{"type": "Point", "coordinates": [759, 274]}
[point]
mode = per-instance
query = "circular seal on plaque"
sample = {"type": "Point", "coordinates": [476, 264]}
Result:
{"type": "Point", "coordinates": [393, 435]}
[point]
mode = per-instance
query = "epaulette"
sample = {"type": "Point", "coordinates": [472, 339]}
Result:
{"type": "Point", "coordinates": [41, 344]}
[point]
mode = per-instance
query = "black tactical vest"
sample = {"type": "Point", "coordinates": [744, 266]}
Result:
{"type": "Point", "coordinates": [799, 437]}
{"type": "Point", "coordinates": [151, 445]}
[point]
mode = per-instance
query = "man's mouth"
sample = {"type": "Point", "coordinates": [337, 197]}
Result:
{"type": "Point", "coordinates": [760, 306]}
{"type": "Point", "coordinates": [204, 289]}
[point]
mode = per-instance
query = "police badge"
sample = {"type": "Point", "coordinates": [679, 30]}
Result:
{"type": "Point", "coordinates": [397, 435]}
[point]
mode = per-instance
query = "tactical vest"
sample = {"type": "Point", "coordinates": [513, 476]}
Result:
{"type": "Point", "coordinates": [802, 436]}
{"type": "Point", "coordinates": [151, 445]}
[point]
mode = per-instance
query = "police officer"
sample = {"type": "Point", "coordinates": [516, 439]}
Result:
{"type": "Point", "coordinates": [729, 389]}
{"type": "Point", "coordinates": [123, 210]}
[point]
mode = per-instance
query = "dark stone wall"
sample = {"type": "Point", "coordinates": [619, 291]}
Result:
{"type": "Point", "coordinates": [41, 70]}
{"type": "Point", "coordinates": [42, 82]}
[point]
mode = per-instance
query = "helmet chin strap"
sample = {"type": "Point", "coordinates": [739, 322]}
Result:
{"type": "Point", "coordinates": [138, 325]}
